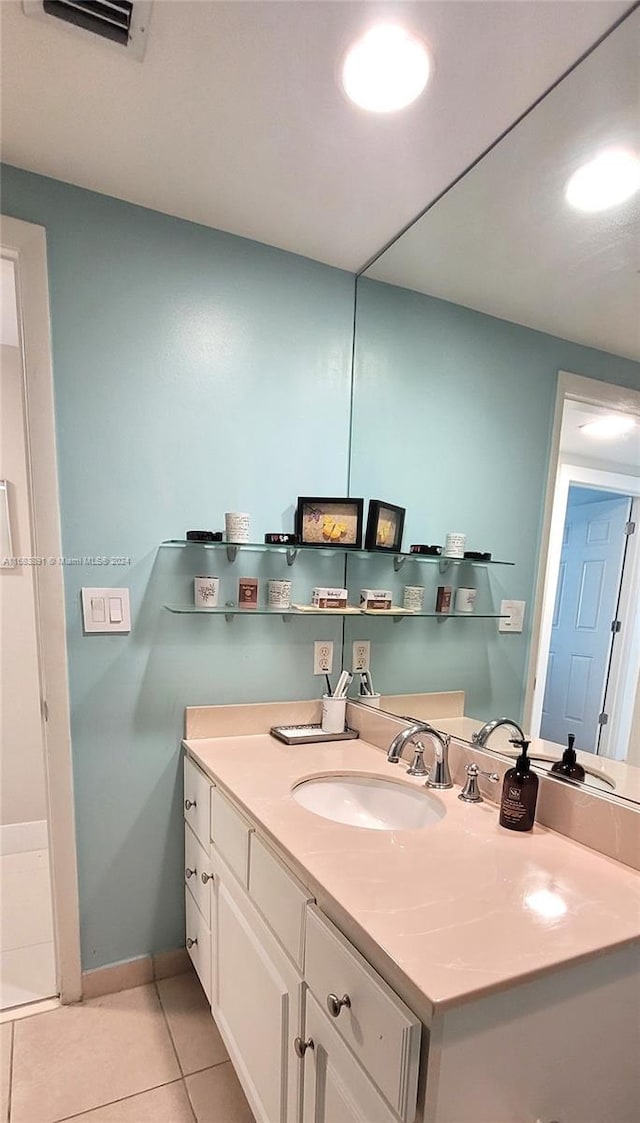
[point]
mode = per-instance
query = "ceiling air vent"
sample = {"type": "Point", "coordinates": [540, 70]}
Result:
{"type": "Point", "coordinates": [123, 22]}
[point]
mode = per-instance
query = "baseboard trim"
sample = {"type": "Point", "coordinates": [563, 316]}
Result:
{"type": "Point", "coordinates": [134, 972]}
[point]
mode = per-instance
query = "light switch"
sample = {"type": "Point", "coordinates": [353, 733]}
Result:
{"type": "Point", "coordinates": [115, 610]}
{"type": "Point", "coordinates": [106, 610]}
{"type": "Point", "coordinates": [513, 615]}
{"type": "Point", "coordinates": [98, 615]}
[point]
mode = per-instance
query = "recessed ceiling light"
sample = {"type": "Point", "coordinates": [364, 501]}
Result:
{"type": "Point", "coordinates": [386, 69]}
{"type": "Point", "coordinates": [605, 181]}
{"type": "Point", "coordinates": [613, 425]}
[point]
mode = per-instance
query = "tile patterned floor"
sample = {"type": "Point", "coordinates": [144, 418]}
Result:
{"type": "Point", "coordinates": [152, 1054]}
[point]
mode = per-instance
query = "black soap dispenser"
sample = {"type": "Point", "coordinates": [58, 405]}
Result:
{"type": "Point", "coordinates": [568, 768]}
{"type": "Point", "coordinates": [519, 793]}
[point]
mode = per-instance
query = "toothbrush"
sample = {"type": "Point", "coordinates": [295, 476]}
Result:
{"type": "Point", "coordinates": [343, 685]}
{"type": "Point", "coordinates": [328, 682]}
{"type": "Point", "coordinates": [367, 681]}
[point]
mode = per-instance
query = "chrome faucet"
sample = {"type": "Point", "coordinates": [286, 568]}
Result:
{"type": "Point", "coordinates": [481, 736]}
{"type": "Point", "coordinates": [439, 776]}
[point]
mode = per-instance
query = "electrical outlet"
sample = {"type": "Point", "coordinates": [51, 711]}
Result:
{"type": "Point", "coordinates": [361, 655]}
{"type": "Point", "coordinates": [323, 657]}
{"type": "Point", "coordinates": [514, 616]}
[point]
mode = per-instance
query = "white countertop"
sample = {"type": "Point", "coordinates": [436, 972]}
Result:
{"type": "Point", "coordinates": [461, 908]}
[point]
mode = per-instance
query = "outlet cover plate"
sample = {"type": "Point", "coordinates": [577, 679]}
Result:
{"type": "Point", "coordinates": [513, 615]}
{"type": "Point", "coordinates": [361, 656]}
{"type": "Point", "coordinates": [323, 657]}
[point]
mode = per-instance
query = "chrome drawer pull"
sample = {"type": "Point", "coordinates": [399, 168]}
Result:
{"type": "Point", "coordinates": [190, 942]}
{"type": "Point", "coordinates": [301, 1046]}
{"type": "Point", "coordinates": [189, 803]}
{"type": "Point", "coordinates": [335, 1004]}
{"type": "Point", "coordinates": [205, 877]}
{"type": "Point", "coordinates": [189, 873]}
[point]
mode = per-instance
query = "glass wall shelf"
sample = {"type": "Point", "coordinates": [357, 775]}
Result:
{"type": "Point", "coordinates": [229, 611]}
{"type": "Point", "coordinates": [291, 552]}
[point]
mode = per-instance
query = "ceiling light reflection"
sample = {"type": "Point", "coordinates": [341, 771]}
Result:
{"type": "Point", "coordinates": [547, 904]}
{"type": "Point", "coordinates": [606, 181]}
{"type": "Point", "coordinates": [613, 425]}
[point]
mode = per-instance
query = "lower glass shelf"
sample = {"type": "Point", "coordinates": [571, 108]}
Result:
{"type": "Point", "coordinates": [399, 614]}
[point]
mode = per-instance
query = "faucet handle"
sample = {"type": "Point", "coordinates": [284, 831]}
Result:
{"type": "Point", "coordinates": [471, 792]}
{"type": "Point", "coordinates": [418, 768]}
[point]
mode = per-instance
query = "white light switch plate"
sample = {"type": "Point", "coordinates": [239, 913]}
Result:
{"type": "Point", "coordinates": [513, 612]}
{"type": "Point", "coordinates": [106, 610]}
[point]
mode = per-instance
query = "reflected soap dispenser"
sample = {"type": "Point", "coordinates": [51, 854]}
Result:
{"type": "Point", "coordinates": [568, 768]}
{"type": "Point", "coordinates": [519, 793]}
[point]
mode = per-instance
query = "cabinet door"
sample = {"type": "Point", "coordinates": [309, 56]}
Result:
{"type": "Point", "coordinates": [198, 943]}
{"type": "Point", "coordinates": [336, 1088]}
{"type": "Point", "coordinates": [257, 1005]}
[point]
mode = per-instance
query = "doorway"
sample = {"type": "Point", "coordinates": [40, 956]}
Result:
{"type": "Point", "coordinates": [584, 675]}
{"type": "Point", "coordinates": [585, 628]}
{"type": "Point", "coordinates": [32, 535]}
{"type": "Point", "coordinates": [27, 964]}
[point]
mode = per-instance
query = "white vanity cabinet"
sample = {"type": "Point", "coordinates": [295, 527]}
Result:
{"type": "Point", "coordinates": [252, 928]}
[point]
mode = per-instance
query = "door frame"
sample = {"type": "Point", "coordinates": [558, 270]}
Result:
{"type": "Point", "coordinates": [25, 244]}
{"type": "Point", "coordinates": [561, 473]}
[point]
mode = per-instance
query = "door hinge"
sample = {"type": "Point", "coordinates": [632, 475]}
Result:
{"type": "Point", "coordinates": [616, 626]}
{"type": "Point", "coordinates": [603, 719]}
{"type": "Point", "coordinates": [44, 709]}
{"type": "Point", "coordinates": [630, 528]}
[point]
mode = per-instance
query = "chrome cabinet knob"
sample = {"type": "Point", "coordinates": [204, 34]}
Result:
{"type": "Point", "coordinates": [189, 803]}
{"type": "Point", "coordinates": [191, 943]}
{"type": "Point", "coordinates": [205, 877]}
{"type": "Point", "coordinates": [301, 1046]}
{"type": "Point", "coordinates": [335, 1004]}
{"type": "Point", "coordinates": [189, 873]}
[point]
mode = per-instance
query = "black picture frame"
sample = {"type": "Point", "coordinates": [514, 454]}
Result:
{"type": "Point", "coordinates": [385, 524]}
{"type": "Point", "coordinates": [319, 520]}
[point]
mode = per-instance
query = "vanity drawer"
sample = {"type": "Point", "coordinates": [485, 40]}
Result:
{"type": "Point", "coordinates": [198, 941]}
{"type": "Point", "coordinates": [230, 833]}
{"type": "Point", "coordinates": [282, 900]}
{"type": "Point", "coordinates": [380, 1030]}
{"type": "Point", "coordinates": [197, 863]}
{"type": "Point", "coordinates": [196, 801]}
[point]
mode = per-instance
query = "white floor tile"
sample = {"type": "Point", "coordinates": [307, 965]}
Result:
{"type": "Point", "coordinates": [28, 974]}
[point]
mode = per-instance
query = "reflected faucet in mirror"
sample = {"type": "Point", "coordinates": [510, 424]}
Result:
{"type": "Point", "coordinates": [439, 776]}
{"type": "Point", "coordinates": [481, 736]}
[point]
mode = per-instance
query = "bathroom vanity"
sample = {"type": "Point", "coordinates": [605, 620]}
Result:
{"type": "Point", "coordinates": [453, 973]}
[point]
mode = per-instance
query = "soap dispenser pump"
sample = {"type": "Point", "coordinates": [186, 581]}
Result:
{"type": "Point", "coordinates": [568, 768]}
{"type": "Point", "coordinates": [519, 793]}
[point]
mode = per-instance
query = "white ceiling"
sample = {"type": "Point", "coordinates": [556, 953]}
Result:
{"type": "Point", "coordinates": [505, 242]}
{"type": "Point", "coordinates": [235, 119]}
{"type": "Point", "coordinates": [612, 453]}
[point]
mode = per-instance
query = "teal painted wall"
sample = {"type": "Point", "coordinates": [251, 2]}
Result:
{"type": "Point", "coordinates": [453, 413]}
{"type": "Point", "coordinates": [194, 373]}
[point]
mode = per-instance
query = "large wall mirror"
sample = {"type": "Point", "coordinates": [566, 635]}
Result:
{"type": "Point", "coordinates": [462, 414]}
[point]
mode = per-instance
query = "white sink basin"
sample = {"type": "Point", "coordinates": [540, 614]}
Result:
{"type": "Point", "coordinates": [367, 801]}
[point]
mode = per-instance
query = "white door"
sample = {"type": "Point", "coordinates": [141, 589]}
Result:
{"type": "Point", "coordinates": [585, 606]}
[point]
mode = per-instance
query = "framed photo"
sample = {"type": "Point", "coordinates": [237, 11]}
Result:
{"type": "Point", "coordinates": [385, 523]}
{"type": "Point", "coordinates": [329, 522]}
